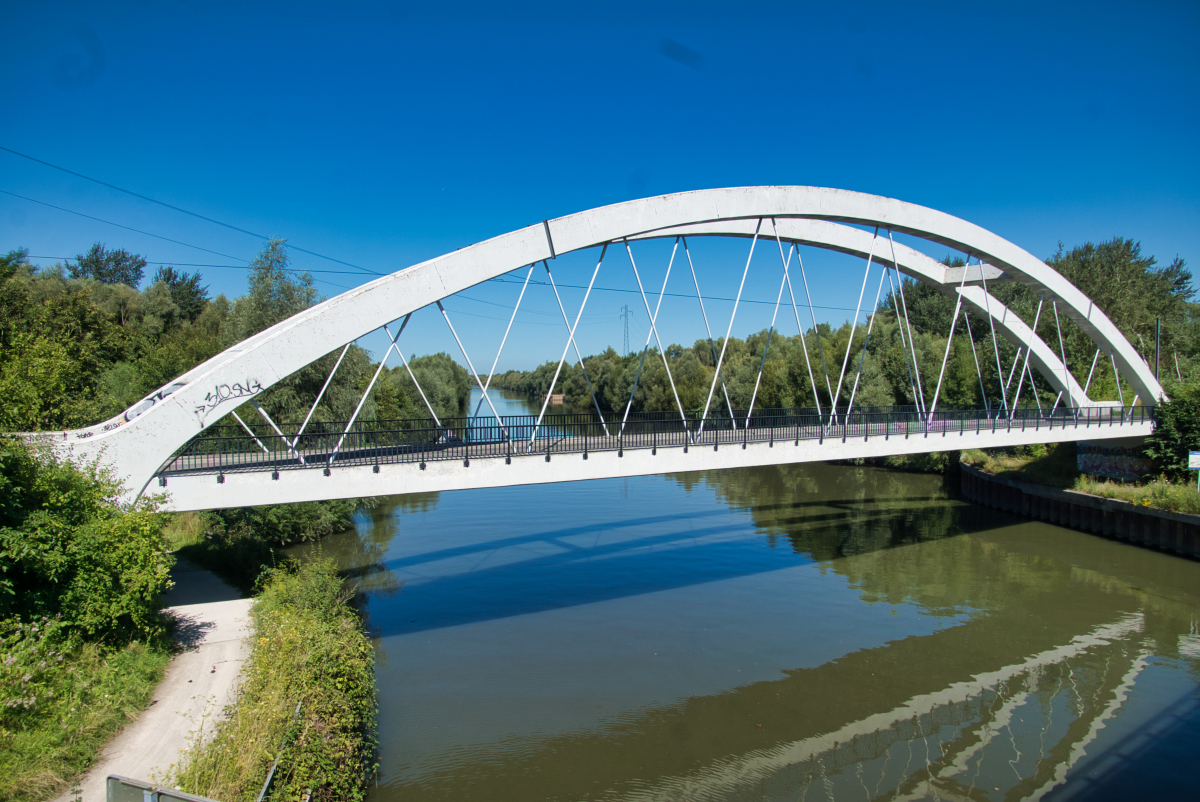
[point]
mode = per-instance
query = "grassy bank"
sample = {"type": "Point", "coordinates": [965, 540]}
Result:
{"type": "Point", "coordinates": [82, 645]}
{"type": "Point", "coordinates": [1055, 466]}
{"type": "Point", "coordinates": [1158, 493]}
{"type": "Point", "coordinates": [1051, 465]}
{"type": "Point", "coordinates": [61, 702]}
{"type": "Point", "coordinates": [309, 650]}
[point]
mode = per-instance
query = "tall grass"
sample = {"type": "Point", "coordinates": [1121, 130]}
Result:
{"type": "Point", "coordinates": [1052, 465]}
{"type": "Point", "coordinates": [309, 650]}
{"type": "Point", "coordinates": [60, 701]}
{"type": "Point", "coordinates": [1055, 466]}
{"type": "Point", "coordinates": [1158, 493]}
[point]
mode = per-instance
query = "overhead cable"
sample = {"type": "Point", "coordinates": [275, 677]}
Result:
{"type": "Point", "coordinates": [181, 210]}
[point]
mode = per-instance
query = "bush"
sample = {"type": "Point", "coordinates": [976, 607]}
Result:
{"type": "Point", "coordinates": [282, 524]}
{"type": "Point", "coordinates": [933, 462]}
{"type": "Point", "coordinates": [61, 700]}
{"type": "Point", "coordinates": [239, 544]}
{"type": "Point", "coordinates": [70, 551]}
{"type": "Point", "coordinates": [1176, 432]}
{"type": "Point", "coordinates": [309, 650]}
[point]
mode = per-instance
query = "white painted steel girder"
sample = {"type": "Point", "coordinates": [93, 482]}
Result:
{"type": "Point", "coordinates": [137, 443]}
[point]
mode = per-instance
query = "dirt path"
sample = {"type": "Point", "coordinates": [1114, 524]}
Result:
{"type": "Point", "coordinates": [199, 682]}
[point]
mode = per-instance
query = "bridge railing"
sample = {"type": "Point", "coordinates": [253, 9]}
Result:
{"type": "Point", "coordinates": [260, 447]}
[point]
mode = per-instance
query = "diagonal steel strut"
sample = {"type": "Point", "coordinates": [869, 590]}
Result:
{"type": "Point", "coordinates": [566, 348]}
{"type": "Point", "coordinates": [711, 345]}
{"type": "Point", "coordinates": [575, 346]}
{"type": "Point", "coordinates": [504, 339]}
{"type": "Point", "coordinates": [653, 330]}
{"type": "Point", "coordinates": [787, 279]}
{"type": "Point", "coordinates": [471, 367]}
{"type": "Point", "coordinates": [725, 344]}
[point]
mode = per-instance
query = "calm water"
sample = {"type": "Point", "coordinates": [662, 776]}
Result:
{"type": "Point", "coordinates": [808, 632]}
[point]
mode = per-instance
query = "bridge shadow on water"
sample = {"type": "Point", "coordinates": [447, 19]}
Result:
{"type": "Point", "coordinates": [590, 563]}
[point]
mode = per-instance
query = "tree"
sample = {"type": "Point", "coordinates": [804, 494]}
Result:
{"type": "Point", "coordinates": [274, 294]}
{"type": "Point", "coordinates": [186, 292]}
{"type": "Point", "coordinates": [109, 267]}
{"type": "Point", "coordinates": [11, 262]}
{"type": "Point", "coordinates": [1177, 431]}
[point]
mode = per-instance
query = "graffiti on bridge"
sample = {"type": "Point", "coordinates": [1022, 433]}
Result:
{"type": "Point", "coordinates": [226, 392]}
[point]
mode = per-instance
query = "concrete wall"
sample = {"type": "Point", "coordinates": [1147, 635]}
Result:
{"type": "Point", "coordinates": [1143, 526]}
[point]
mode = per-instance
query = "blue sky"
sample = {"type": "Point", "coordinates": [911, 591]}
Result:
{"type": "Point", "coordinates": [385, 135]}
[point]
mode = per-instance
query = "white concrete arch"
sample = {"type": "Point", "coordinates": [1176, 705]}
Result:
{"type": "Point", "coordinates": [138, 445]}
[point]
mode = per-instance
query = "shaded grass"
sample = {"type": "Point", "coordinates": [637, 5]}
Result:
{"type": "Point", "coordinates": [1053, 465]}
{"type": "Point", "coordinates": [61, 702]}
{"type": "Point", "coordinates": [241, 545]}
{"type": "Point", "coordinates": [309, 650]}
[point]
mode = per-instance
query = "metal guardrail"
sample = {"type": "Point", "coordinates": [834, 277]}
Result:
{"type": "Point", "coordinates": [124, 789]}
{"type": "Point", "coordinates": [260, 447]}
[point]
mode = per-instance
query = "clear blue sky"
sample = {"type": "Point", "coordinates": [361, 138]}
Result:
{"type": "Point", "coordinates": [390, 134]}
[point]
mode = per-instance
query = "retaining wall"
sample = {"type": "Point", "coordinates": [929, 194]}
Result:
{"type": "Point", "coordinates": [1144, 526]}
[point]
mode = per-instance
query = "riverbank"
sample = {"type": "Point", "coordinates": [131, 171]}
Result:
{"type": "Point", "coordinates": [1122, 520]}
{"type": "Point", "coordinates": [199, 682]}
{"type": "Point", "coordinates": [1056, 465]}
{"type": "Point", "coordinates": [306, 701]}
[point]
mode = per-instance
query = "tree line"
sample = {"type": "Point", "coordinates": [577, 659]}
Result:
{"type": "Point", "coordinates": [80, 343]}
{"type": "Point", "coordinates": [1134, 290]}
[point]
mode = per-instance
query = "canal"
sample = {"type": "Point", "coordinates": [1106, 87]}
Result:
{"type": "Point", "coordinates": [819, 632]}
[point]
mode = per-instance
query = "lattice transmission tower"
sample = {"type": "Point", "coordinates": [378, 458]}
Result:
{"type": "Point", "coordinates": [625, 317]}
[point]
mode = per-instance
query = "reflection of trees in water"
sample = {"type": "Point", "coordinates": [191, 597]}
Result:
{"type": "Point", "coordinates": [831, 511]}
{"type": "Point", "coordinates": [360, 552]}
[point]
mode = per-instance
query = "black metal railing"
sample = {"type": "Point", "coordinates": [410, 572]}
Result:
{"type": "Point", "coordinates": [258, 447]}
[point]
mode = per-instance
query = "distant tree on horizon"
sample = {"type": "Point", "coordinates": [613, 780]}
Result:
{"type": "Point", "coordinates": [109, 267]}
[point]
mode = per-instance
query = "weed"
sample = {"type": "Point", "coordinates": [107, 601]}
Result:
{"type": "Point", "coordinates": [309, 650]}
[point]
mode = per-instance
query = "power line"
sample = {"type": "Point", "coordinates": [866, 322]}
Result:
{"type": "Point", "coordinates": [111, 223]}
{"type": "Point", "coordinates": [180, 209]}
{"type": "Point", "coordinates": [193, 264]}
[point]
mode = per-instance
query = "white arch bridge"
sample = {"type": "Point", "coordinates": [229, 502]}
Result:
{"type": "Point", "coordinates": [168, 442]}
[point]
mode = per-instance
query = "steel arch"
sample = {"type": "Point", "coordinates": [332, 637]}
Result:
{"type": "Point", "coordinates": [166, 420]}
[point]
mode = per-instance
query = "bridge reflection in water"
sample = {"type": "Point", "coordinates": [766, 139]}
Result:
{"type": "Point", "coordinates": [515, 652]}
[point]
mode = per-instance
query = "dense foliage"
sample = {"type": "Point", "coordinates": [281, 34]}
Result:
{"type": "Point", "coordinates": [78, 346]}
{"type": "Point", "coordinates": [1176, 433]}
{"type": "Point", "coordinates": [309, 651]}
{"type": "Point", "coordinates": [80, 634]}
{"type": "Point", "coordinates": [240, 545]}
{"type": "Point", "coordinates": [70, 551]}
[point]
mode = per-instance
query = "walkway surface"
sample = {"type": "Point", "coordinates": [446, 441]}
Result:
{"type": "Point", "coordinates": [199, 681]}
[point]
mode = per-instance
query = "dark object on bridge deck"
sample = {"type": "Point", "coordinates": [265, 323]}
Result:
{"type": "Point", "coordinates": [1143, 526]}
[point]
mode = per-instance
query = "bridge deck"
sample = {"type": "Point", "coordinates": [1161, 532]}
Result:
{"type": "Point", "coordinates": [457, 455]}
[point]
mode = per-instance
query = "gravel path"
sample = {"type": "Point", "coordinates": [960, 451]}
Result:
{"type": "Point", "coordinates": [199, 682]}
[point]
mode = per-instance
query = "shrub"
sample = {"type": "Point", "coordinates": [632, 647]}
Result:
{"type": "Point", "coordinates": [1176, 432]}
{"type": "Point", "coordinates": [239, 544]}
{"type": "Point", "coordinates": [61, 700]}
{"type": "Point", "coordinates": [309, 650]}
{"type": "Point", "coordinates": [70, 551]}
